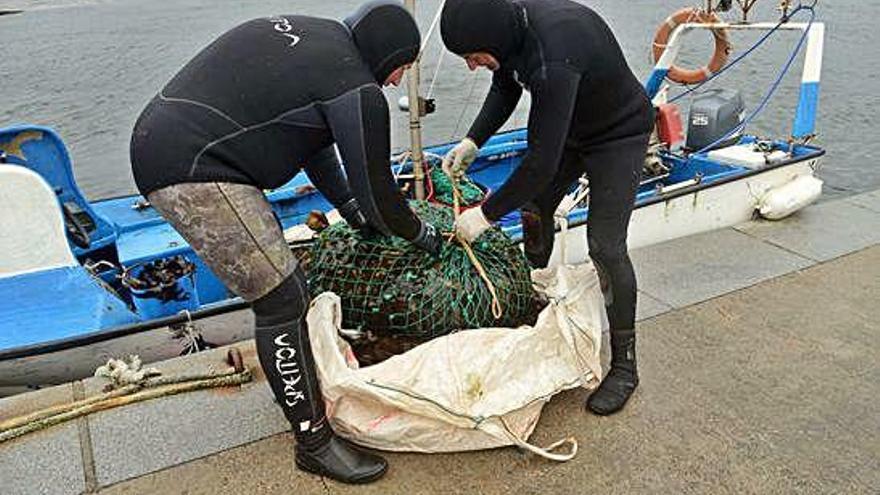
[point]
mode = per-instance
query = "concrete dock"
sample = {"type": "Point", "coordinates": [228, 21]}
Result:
{"type": "Point", "coordinates": [758, 350]}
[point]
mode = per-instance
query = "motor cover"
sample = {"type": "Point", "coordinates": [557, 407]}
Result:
{"type": "Point", "coordinates": [712, 115]}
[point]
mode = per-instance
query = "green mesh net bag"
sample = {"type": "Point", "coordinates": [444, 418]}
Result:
{"type": "Point", "coordinates": [400, 296]}
{"type": "Point", "coordinates": [441, 187]}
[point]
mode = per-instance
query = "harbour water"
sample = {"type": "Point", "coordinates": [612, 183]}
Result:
{"type": "Point", "coordinates": [87, 67]}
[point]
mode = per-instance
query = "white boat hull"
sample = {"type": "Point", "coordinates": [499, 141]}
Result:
{"type": "Point", "coordinates": [714, 207]}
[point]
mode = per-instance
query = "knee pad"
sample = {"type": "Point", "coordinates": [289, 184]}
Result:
{"type": "Point", "coordinates": [289, 301]}
{"type": "Point", "coordinates": [538, 232]}
{"type": "Point", "coordinates": [605, 260]}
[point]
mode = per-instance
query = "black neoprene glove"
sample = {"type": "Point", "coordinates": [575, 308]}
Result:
{"type": "Point", "coordinates": [429, 239]}
{"type": "Point", "coordinates": [355, 218]}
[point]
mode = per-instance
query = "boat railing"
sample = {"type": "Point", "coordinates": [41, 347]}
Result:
{"type": "Point", "coordinates": [805, 116]}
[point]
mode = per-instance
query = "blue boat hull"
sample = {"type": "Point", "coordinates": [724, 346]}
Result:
{"type": "Point", "coordinates": [90, 311]}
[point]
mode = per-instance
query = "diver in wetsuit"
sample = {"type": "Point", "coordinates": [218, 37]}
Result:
{"type": "Point", "coordinates": [240, 117]}
{"type": "Point", "coordinates": [589, 115]}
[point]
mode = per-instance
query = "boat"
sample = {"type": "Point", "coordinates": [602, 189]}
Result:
{"type": "Point", "coordinates": [74, 273]}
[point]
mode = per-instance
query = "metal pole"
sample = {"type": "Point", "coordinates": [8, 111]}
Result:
{"type": "Point", "coordinates": [415, 125]}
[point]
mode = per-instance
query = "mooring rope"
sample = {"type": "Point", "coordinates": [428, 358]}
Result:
{"type": "Point", "coordinates": [150, 387]}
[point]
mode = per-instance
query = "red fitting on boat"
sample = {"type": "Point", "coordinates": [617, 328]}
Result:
{"type": "Point", "coordinates": [670, 129]}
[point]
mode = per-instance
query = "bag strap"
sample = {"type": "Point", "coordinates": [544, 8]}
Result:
{"type": "Point", "coordinates": [545, 452]}
{"type": "Point", "coordinates": [490, 427]}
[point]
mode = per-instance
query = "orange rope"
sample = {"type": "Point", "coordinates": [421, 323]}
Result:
{"type": "Point", "coordinates": [497, 311]}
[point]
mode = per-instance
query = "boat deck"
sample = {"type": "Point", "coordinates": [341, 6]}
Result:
{"type": "Point", "coordinates": [759, 370]}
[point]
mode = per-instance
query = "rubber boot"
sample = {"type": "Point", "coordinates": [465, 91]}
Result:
{"type": "Point", "coordinates": [330, 456]}
{"type": "Point", "coordinates": [622, 379]}
{"type": "Point", "coordinates": [286, 358]}
{"type": "Point", "coordinates": [318, 450]}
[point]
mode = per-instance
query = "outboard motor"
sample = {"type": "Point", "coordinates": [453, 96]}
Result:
{"type": "Point", "coordinates": [712, 115]}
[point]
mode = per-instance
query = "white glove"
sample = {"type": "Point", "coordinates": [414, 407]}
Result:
{"type": "Point", "coordinates": [471, 224]}
{"type": "Point", "coordinates": [459, 158]}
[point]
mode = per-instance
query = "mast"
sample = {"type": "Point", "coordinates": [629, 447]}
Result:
{"type": "Point", "coordinates": [415, 125]}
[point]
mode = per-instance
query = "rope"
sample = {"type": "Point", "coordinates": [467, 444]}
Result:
{"type": "Point", "coordinates": [739, 58]}
{"type": "Point", "coordinates": [467, 101]}
{"type": "Point", "coordinates": [428, 36]}
{"type": "Point", "coordinates": [149, 388]}
{"type": "Point", "coordinates": [773, 87]}
{"type": "Point", "coordinates": [497, 310]}
{"type": "Point", "coordinates": [436, 73]}
{"type": "Point", "coordinates": [126, 372]}
{"type": "Point", "coordinates": [431, 29]}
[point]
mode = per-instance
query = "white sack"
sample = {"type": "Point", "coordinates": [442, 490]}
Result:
{"type": "Point", "coordinates": [468, 390]}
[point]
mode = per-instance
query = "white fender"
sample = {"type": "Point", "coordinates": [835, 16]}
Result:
{"type": "Point", "coordinates": [790, 197]}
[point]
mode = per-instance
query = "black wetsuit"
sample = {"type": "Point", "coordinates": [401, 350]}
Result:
{"type": "Point", "coordinates": [589, 114]}
{"type": "Point", "coordinates": [264, 100]}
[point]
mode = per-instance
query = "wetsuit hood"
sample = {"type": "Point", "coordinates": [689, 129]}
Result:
{"type": "Point", "coordinates": [386, 35]}
{"type": "Point", "coordinates": [493, 26]}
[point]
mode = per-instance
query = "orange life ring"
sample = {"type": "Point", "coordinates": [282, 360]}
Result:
{"type": "Point", "coordinates": [719, 58]}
